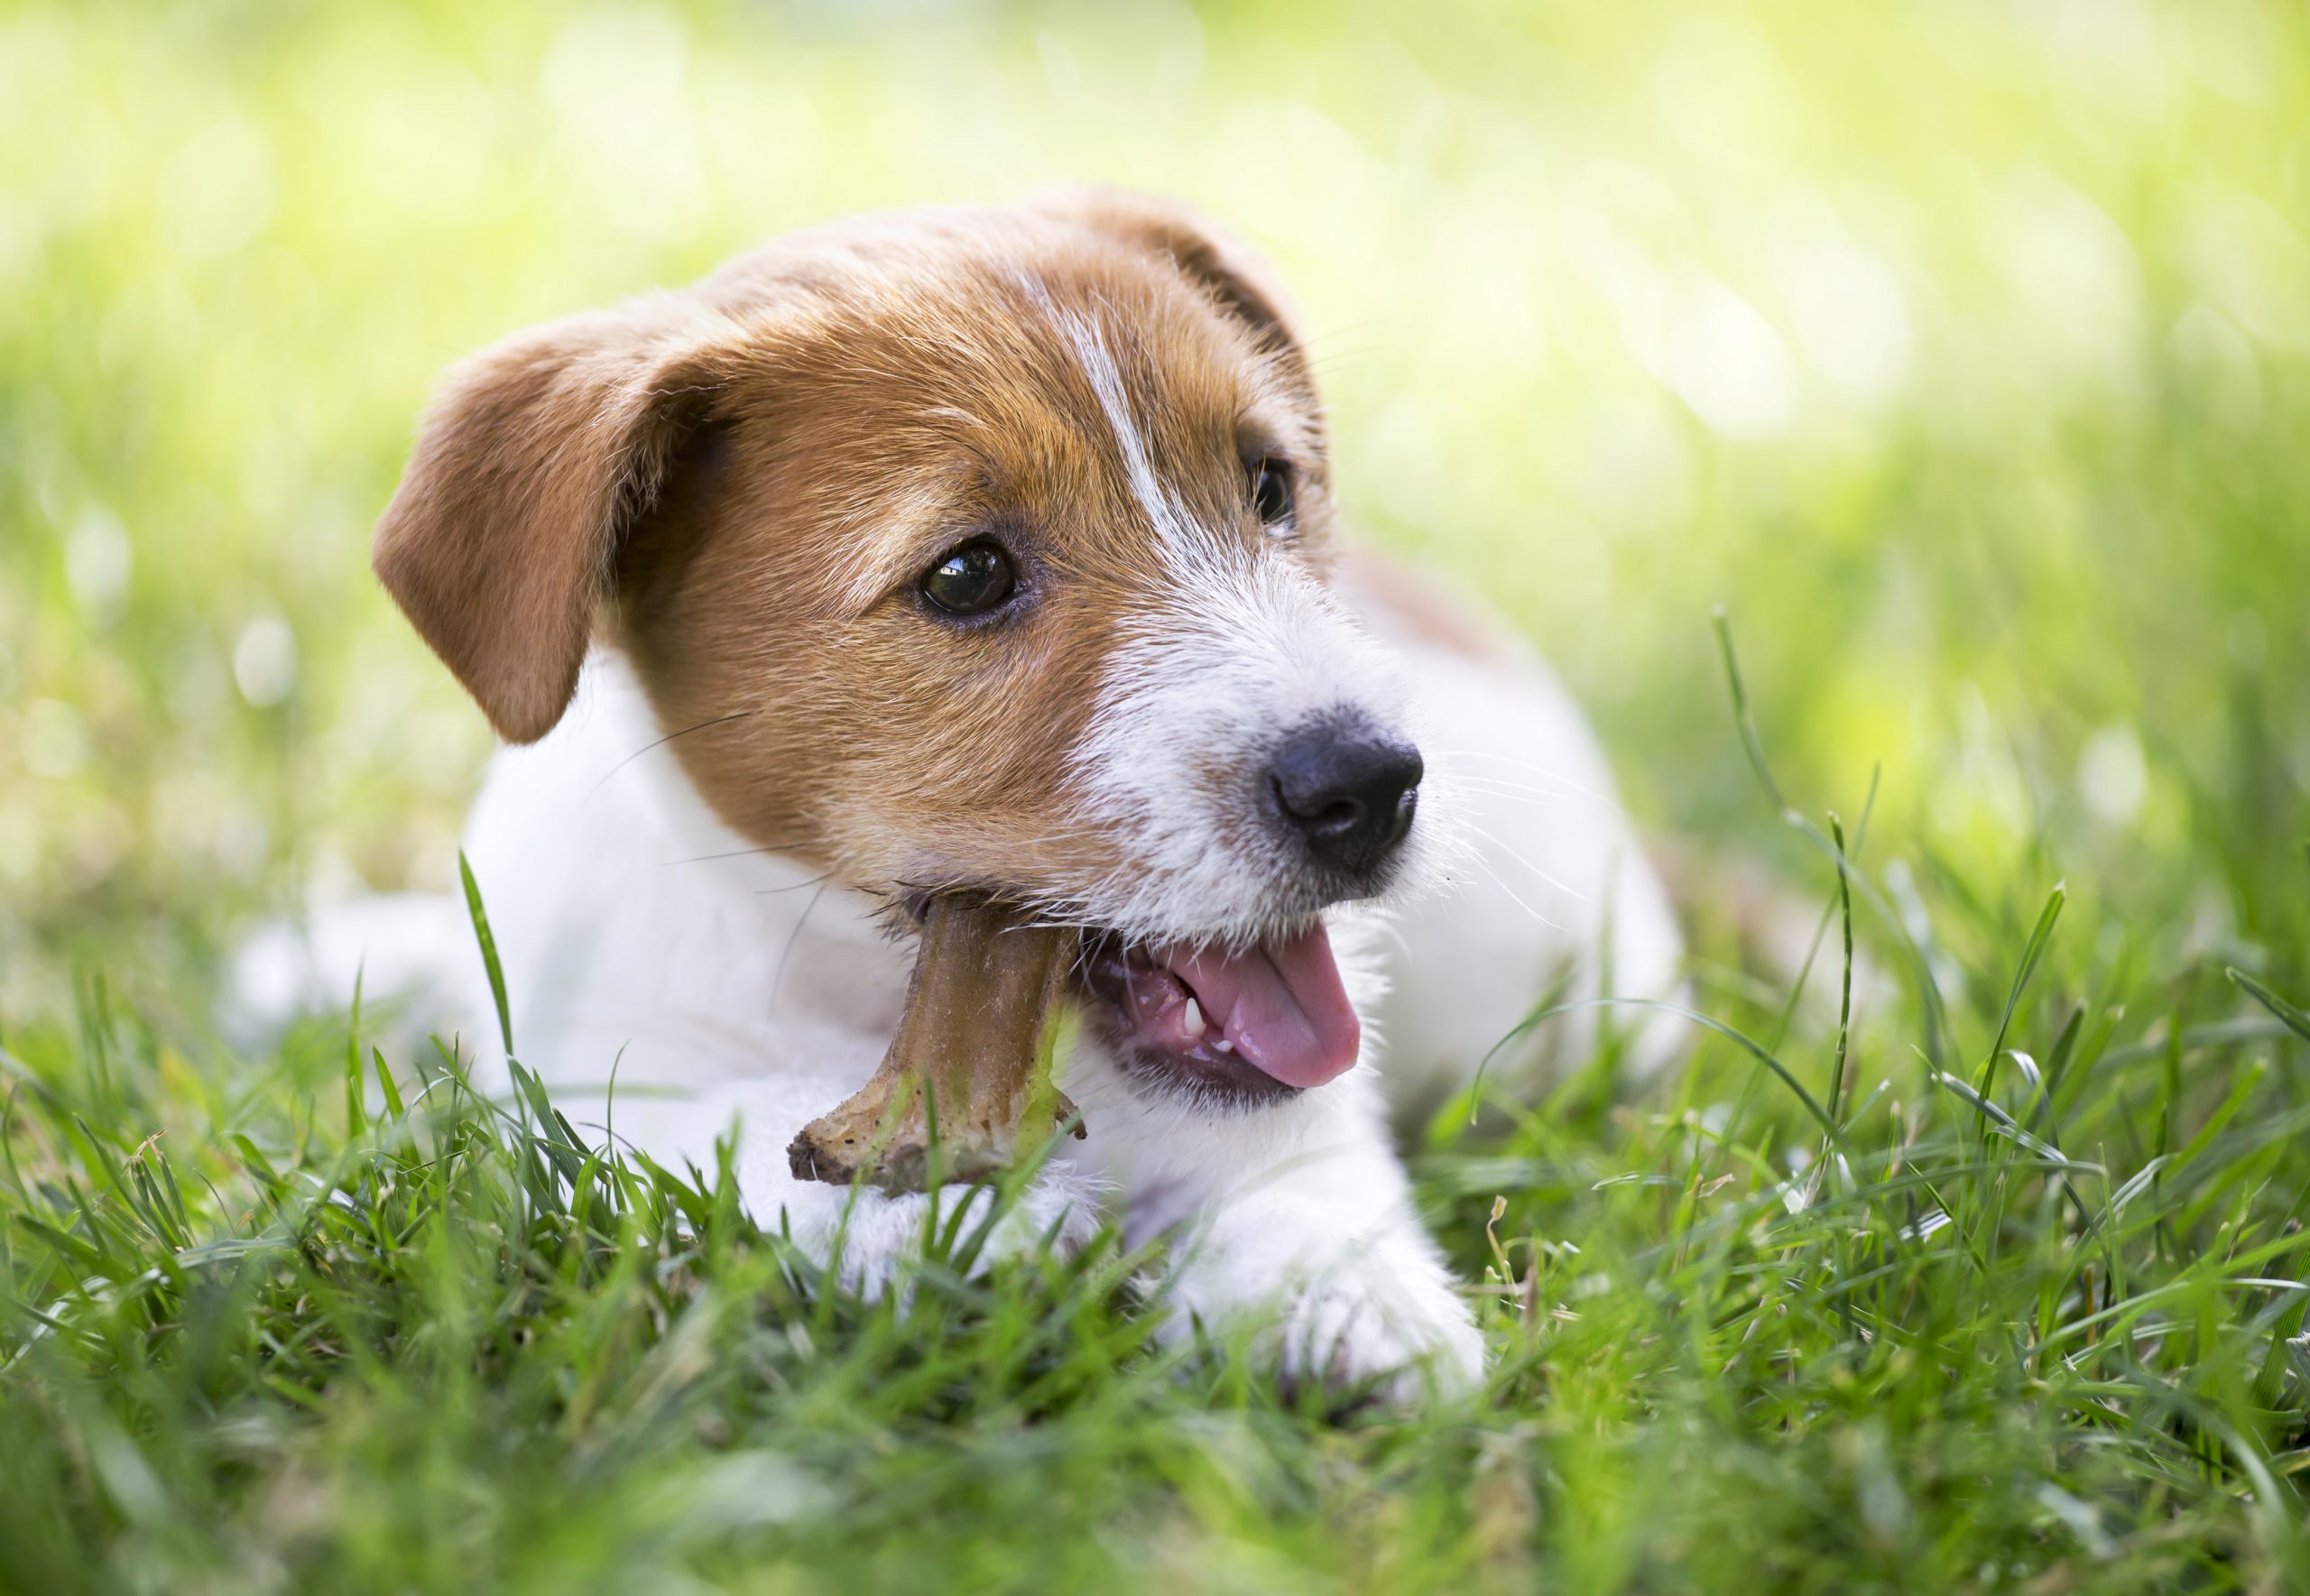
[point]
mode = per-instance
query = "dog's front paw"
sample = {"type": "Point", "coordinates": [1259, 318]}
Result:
{"type": "Point", "coordinates": [1373, 1314]}
{"type": "Point", "coordinates": [1401, 1340]}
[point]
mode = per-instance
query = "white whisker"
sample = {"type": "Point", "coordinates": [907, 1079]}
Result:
{"type": "Point", "coordinates": [1526, 765]}
{"type": "Point", "coordinates": [1481, 865]}
{"type": "Point", "coordinates": [1493, 790]}
{"type": "Point", "coordinates": [1528, 865]}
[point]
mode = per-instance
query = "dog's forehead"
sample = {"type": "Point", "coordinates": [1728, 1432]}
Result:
{"type": "Point", "coordinates": [1052, 347]}
{"type": "Point", "coordinates": [1076, 384]}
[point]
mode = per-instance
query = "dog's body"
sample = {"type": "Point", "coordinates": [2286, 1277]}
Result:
{"type": "Point", "coordinates": [909, 558]}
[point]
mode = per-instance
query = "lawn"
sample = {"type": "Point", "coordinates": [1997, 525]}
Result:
{"type": "Point", "coordinates": [1889, 420]}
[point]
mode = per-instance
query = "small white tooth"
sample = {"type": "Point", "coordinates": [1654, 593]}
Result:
{"type": "Point", "coordinates": [1194, 1020]}
{"type": "Point", "coordinates": [1224, 1046]}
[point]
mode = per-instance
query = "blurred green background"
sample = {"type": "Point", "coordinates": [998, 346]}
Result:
{"type": "Point", "coordinates": [1956, 349]}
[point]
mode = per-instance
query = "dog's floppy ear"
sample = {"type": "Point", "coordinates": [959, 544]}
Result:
{"type": "Point", "coordinates": [1232, 271]}
{"type": "Point", "coordinates": [531, 465]}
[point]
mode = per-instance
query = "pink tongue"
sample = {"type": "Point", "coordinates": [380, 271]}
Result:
{"type": "Point", "coordinates": [1283, 1005]}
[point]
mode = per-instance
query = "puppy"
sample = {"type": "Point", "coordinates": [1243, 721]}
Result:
{"type": "Point", "coordinates": [997, 549]}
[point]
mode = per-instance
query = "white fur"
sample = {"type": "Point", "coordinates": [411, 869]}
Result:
{"type": "Point", "coordinates": [1547, 886]}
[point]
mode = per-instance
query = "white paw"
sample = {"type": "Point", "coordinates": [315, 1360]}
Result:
{"type": "Point", "coordinates": [1376, 1312]}
{"type": "Point", "coordinates": [1404, 1339]}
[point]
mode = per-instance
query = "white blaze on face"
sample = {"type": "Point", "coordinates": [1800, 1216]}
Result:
{"type": "Point", "coordinates": [1242, 648]}
{"type": "Point", "coordinates": [1172, 526]}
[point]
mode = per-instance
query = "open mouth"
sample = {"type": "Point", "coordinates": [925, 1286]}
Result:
{"type": "Point", "coordinates": [1267, 1021]}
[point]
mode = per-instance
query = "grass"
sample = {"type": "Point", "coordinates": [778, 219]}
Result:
{"type": "Point", "coordinates": [1958, 351]}
{"type": "Point", "coordinates": [2026, 1314]}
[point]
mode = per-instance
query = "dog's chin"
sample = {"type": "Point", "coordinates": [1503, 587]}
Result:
{"type": "Point", "coordinates": [1241, 1024]}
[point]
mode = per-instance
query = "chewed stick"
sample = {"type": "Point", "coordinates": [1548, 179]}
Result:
{"type": "Point", "coordinates": [974, 1053]}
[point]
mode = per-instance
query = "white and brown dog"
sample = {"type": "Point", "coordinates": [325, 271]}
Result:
{"type": "Point", "coordinates": [996, 548]}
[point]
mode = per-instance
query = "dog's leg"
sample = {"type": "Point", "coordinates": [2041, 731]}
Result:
{"type": "Point", "coordinates": [1551, 890]}
{"type": "Point", "coordinates": [1297, 1222]}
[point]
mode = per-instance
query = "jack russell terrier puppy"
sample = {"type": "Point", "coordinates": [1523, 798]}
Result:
{"type": "Point", "coordinates": [996, 548]}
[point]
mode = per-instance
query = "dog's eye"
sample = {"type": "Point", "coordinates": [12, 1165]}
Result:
{"type": "Point", "coordinates": [970, 580]}
{"type": "Point", "coordinates": [1272, 493]}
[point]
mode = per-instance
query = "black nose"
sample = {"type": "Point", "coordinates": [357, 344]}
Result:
{"type": "Point", "coordinates": [1349, 791]}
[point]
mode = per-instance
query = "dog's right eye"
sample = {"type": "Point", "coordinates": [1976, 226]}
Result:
{"type": "Point", "coordinates": [970, 580]}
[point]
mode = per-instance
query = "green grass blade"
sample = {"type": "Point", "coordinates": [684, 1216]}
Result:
{"type": "Point", "coordinates": [2293, 1019]}
{"type": "Point", "coordinates": [2040, 938]}
{"type": "Point", "coordinates": [489, 962]}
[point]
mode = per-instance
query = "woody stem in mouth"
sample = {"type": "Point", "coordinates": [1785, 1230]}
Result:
{"type": "Point", "coordinates": [973, 1050]}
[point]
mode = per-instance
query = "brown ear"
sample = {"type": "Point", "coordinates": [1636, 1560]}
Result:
{"type": "Point", "coordinates": [1235, 275]}
{"type": "Point", "coordinates": [537, 455]}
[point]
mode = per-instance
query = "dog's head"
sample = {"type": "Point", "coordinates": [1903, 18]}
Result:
{"type": "Point", "coordinates": [977, 549]}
